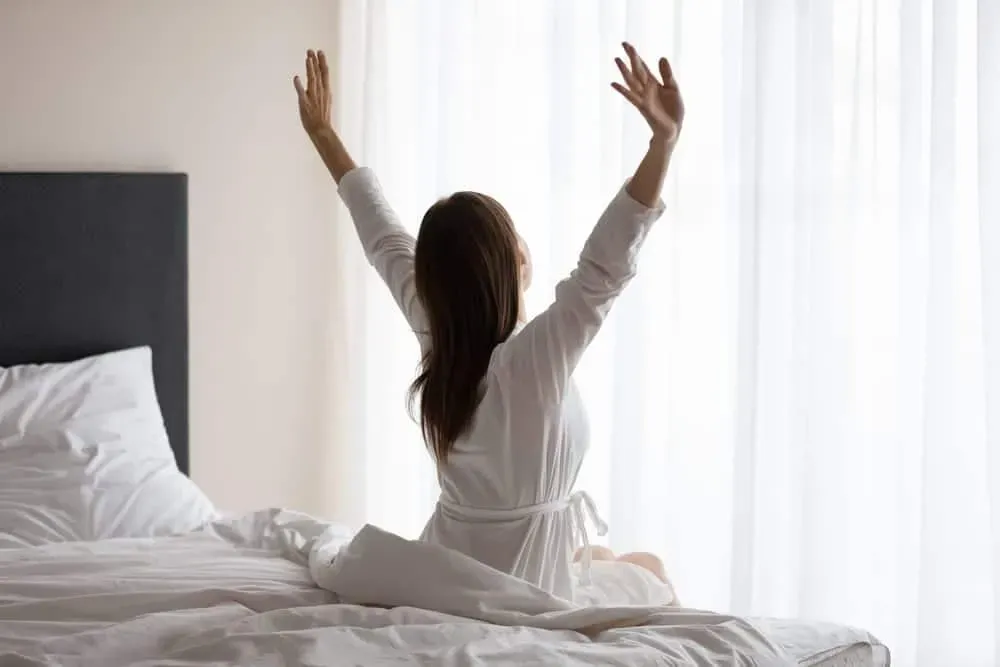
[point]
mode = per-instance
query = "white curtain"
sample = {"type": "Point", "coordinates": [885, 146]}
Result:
{"type": "Point", "coordinates": [797, 402]}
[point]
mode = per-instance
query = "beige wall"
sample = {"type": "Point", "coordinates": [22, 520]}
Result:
{"type": "Point", "coordinates": [204, 87]}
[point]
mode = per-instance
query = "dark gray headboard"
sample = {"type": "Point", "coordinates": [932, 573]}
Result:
{"type": "Point", "coordinates": [95, 262]}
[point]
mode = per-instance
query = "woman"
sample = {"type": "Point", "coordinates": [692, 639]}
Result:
{"type": "Point", "coordinates": [498, 407]}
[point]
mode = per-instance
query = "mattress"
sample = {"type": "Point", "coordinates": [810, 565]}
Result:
{"type": "Point", "coordinates": [815, 644]}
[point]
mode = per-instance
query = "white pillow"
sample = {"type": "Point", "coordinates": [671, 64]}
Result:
{"type": "Point", "coordinates": [84, 455]}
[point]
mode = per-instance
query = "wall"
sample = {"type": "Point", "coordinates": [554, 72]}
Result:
{"type": "Point", "coordinates": [205, 88]}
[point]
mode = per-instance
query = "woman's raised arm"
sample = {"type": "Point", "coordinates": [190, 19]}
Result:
{"type": "Point", "coordinates": [387, 245]}
{"type": "Point", "coordinates": [545, 353]}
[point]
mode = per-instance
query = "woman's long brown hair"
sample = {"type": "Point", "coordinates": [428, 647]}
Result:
{"type": "Point", "coordinates": [467, 273]}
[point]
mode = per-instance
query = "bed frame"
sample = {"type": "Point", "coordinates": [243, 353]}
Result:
{"type": "Point", "coordinates": [96, 262]}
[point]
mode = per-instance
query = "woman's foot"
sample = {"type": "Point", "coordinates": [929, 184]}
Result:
{"type": "Point", "coordinates": [647, 561]}
{"type": "Point", "coordinates": [596, 553]}
{"type": "Point", "coordinates": [643, 559]}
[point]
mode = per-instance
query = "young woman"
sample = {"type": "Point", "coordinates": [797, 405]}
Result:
{"type": "Point", "coordinates": [498, 407]}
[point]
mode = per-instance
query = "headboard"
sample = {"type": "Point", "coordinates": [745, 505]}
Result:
{"type": "Point", "coordinates": [96, 262]}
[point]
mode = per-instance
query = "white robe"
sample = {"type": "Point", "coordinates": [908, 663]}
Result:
{"type": "Point", "coordinates": [507, 488]}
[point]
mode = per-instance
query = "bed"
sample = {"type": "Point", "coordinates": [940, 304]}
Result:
{"type": "Point", "coordinates": [110, 555]}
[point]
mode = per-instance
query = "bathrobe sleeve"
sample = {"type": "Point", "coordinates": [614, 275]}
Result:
{"type": "Point", "coordinates": [387, 245]}
{"type": "Point", "coordinates": [542, 356]}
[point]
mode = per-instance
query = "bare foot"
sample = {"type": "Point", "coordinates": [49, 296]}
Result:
{"type": "Point", "coordinates": [596, 553]}
{"type": "Point", "coordinates": [648, 561]}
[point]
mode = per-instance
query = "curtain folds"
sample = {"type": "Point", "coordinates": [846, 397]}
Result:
{"type": "Point", "coordinates": [797, 402]}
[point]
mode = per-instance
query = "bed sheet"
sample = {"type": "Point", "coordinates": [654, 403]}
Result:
{"type": "Point", "coordinates": [241, 592]}
{"type": "Point", "coordinates": [817, 644]}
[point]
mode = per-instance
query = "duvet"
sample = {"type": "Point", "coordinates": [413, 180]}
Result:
{"type": "Point", "coordinates": [259, 590]}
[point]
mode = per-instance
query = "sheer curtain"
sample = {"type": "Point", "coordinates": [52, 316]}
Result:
{"type": "Point", "coordinates": [797, 402]}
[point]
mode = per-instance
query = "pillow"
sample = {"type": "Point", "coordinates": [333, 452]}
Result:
{"type": "Point", "coordinates": [84, 455]}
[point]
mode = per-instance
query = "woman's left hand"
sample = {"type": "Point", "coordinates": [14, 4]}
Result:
{"type": "Point", "coordinates": [659, 102]}
{"type": "Point", "coordinates": [314, 97]}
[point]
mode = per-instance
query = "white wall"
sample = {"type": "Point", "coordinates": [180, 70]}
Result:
{"type": "Point", "coordinates": [205, 88]}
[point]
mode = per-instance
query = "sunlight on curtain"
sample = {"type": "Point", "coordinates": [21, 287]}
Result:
{"type": "Point", "coordinates": [797, 402]}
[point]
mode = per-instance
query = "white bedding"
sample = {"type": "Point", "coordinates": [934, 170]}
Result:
{"type": "Point", "coordinates": [84, 454]}
{"type": "Point", "coordinates": [816, 644]}
{"type": "Point", "coordinates": [241, 592]}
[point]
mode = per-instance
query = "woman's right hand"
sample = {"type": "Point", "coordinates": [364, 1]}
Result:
{"type": "Point", "coordinates": [659, 101]}
{"type": "Point", "coordinates": [314, 98]}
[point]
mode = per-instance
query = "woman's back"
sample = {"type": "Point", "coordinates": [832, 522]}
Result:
{"type": "Point", "coordinates": [505, 485]}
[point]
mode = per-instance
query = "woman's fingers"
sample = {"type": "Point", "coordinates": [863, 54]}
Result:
{"type": "Point", "coordinates": [313, 96]}
{"type": "Point", "coordinates": [649, 76]}
{"type": "Point", "coordinates": [639, 69]}
{"type": "Point", "coordinates": [629, 78]}
{"type": "Point", "coordinates": [667, 73]}
{"type": "Point", "coordinates": [310, 72]}
{"type": "Point", "coordinates": [646, 75]}
{"type": "Point", "coordinates": [627, 94]}
{"type": "Point", "coordinates": [317, 76]}
{"type": "Point", "coordinates": [324, 71]}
